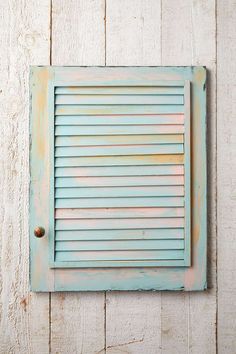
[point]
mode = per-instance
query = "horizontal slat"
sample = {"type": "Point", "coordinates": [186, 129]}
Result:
{"type": "Point", "coordinates": [120, 120]}
{"type": "Point", "coordinates": [119, 160]}
{"type": "Point", "coordinates": [119, 150]}
{"type": "Point", "coordinates": [141, 170]}
{"type": "Point", "coordinates": [137, 234]}
{"type": "Point", "coordinates": [117, 77]}
{"type": "Point", "coordinates": [64, 130]}
{"type": "Point", "coordinates": [119, 264]}
{"type": "Point", "coordinates": [103, 99]}
{"type": "Point", "coordinates": [110, 224]}
{"type": "Point", "coordinates": [119, 245]}
{"type": "Point", "coordinates": [118, 213]}
{"type": "Point", "coordinates": [120, 202]}
{"type": "Point", "coordinates": [132, 90]}
{"type": "Point", "coordinates": [116, 109]}
{"type": "Point", "coordinates": [118, 140]}
{"type": "Point", "coordinates": [119, 181]}
{"type": "Point", "coordinates": [108, 192]}
{"type": "Point", "coordinates": [119, 255]}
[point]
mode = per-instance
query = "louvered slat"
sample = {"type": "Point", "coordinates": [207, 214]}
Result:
{"type": "Point", "coordinates": [141, 170]}
{"type": "Point", "coordinates": [119, 245]}
{"type": "Point", "coordinates": [119, 202]}
{"type": "Point", "coordinates": [110, 140]}
{"type": "Point", "coordinates": [119, 150]}
{"type": "Point", "coordinates": [64, 130]}
{"type": "Point", "coordinates": [118, 99]}
{"type": "Point", "coordinates": [119, 192]}
{"type": "Point", "coordinates": [144, 255]}
{"type": "Point", "coordinates": [117, 109]}
{"type": "Point", "coordinates": [119, 181]}
{"type": "Point", "coordinates": [121, 120]}
{"type": "Point", "coordinates": [123, 234]}
{"type": "Point", "coordinates": [128, 90]}
{"type": "Point", "coordinates": [103, 213]}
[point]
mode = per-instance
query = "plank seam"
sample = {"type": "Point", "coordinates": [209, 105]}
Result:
{"type": "Point", "coordinates": [105, 293]}
{"type": "Point", "coordinates": [50, 323]}
{"type": "Point", "coordinates": [216, 174]}
{"type": "Point", "coordinates": [50, 294]}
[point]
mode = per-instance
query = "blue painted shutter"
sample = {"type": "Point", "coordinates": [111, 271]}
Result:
{"type": "Point", "coordinates": [118, 178]}
{"type": "Point", "coordinates": [121, 175]}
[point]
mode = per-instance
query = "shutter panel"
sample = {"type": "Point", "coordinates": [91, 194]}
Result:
{"type": "Point", "coordinates": [121, 164]}
{"type": "Point", "coordinates": [118, 178]}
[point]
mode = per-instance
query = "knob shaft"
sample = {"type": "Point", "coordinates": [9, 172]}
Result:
{"type": "Point", "coordinates": [39, 231]}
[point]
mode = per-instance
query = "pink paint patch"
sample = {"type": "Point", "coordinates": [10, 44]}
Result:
{"type": "Point", "coordinates": [189, 278]}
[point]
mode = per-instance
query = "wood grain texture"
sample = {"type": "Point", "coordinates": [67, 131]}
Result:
{"type": "Point", "coordinates": [133, 37]}
{"type": "Point", "coordinates": [25, 40]}
{"type": "Point", "coordinates": [78, 37]}
{"type": "Point", "coordinates": [78, 32]}
{"type": "Point", "coordinates": [133, 323]}
{"type": "Point", "coordinates": [133, 32]}
{"type": "Point", "coordinates": [203, 338]}
{"type": "Point", "coordinates": [194, 44]}
{"type": "Point", "coordinates": [174, 323]}
{"type": "Point", "coordinates": [77, 323]}
{"type": "Point", "coordinates": [226, 175]}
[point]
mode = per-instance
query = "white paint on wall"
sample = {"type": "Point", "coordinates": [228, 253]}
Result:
{"type": "Point", "coordinates": [116, 32]}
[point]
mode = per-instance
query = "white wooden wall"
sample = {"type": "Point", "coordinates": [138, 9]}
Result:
{"type": "Point", "coordinates": [117, 32]}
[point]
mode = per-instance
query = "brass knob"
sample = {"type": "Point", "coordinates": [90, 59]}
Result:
{"type": "Point", "coordinates": [39, 231]}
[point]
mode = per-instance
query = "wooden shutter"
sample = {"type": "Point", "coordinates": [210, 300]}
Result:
{"type": "Point", "coordinates": [119, 168]}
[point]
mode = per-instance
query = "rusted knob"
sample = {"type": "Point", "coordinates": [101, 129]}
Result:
{"type": "Point", "coordinates": [39, 231]}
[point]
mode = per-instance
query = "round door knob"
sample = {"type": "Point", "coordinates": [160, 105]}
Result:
{"type": "Point", "coordinates": [39, 231]}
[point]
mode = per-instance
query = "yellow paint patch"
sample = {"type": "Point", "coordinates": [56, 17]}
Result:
{"type": "Point", "coordinates": [196, 227]}
{"type": "Point", "coordinates": [173, 159]}
{"type": "Point", "coordinates": [189, 278]}
{"type": "Point", "coordinates": [200, 75]}
{"type": "Point", "coordinates": [40, 110]}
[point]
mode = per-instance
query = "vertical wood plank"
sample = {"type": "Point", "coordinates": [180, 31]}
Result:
{"type": "Point", "coordinates": [77, 323]}
{"type": "Point", "coordinates": [78, 32]}
{"type": "Point", "coordinates": [133, 323]}
{"type": "Point", "coordinates": [133, 32]}
{"type": "Point", "coordinates": [203, 338]}
{"type": "Point", "coordinates": [78, 38]}
{"type": "Point", "coordinates": [25, 40]}
{"type": "Point", "coordinates": [194, 44]}
{"type": "Point", "coordinates": [133, 37]}
{"type": "Point", "coordinates": [226, 175]}
{"type": "Point", "coordinates": [176, 50]}
{"type": "Point", "coordinates": [174, 323]}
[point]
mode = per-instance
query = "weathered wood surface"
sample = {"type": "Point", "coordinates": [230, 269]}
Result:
{"type": "Point", "coordinates": [25, 40]}
{"type": "Point", "coordinates": [226, 190]}
{"type": "Point", "coordinates": [115, 32]}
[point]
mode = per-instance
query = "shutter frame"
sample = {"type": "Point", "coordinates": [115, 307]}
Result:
{"type": "Point", "coordinates": [176, 278]}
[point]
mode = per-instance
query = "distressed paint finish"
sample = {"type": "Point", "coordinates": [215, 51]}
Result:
{"type": "Point", "coordinates": [192, 278]}
{"type": "Point", "coordinates": [40, 180]}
